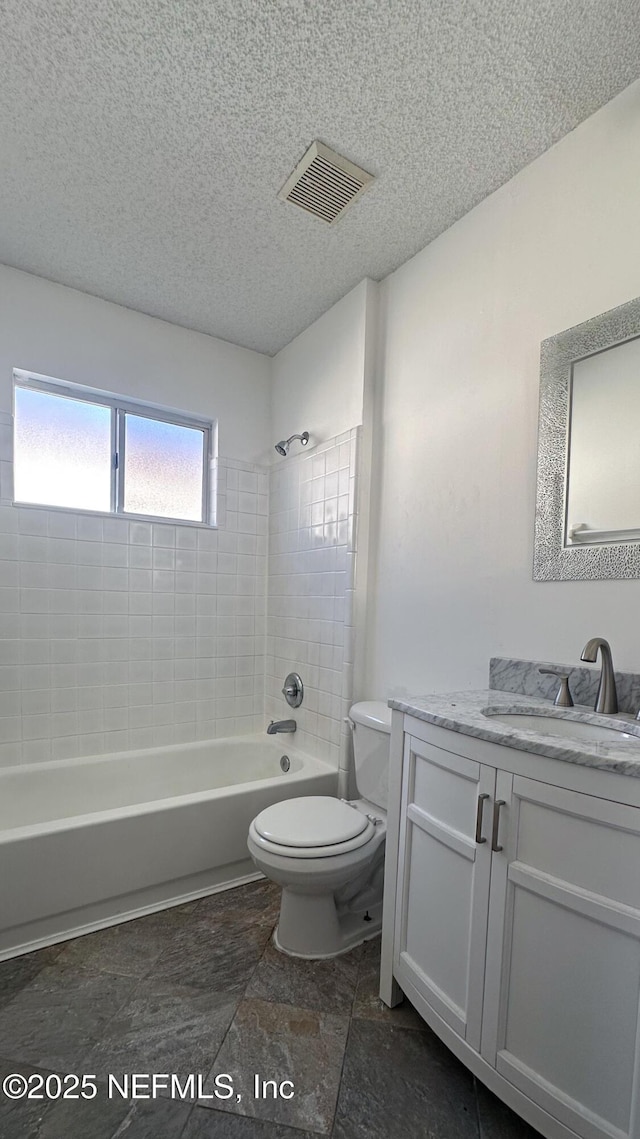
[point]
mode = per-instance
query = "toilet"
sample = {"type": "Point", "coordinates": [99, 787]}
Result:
{"type": "Point", "coordinates": [328, 854]}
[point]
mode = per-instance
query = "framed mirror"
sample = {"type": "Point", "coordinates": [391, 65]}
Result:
{"type": "Point", "coordinates": [588, 487]}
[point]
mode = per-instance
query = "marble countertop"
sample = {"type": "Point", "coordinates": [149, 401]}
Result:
{"type": "Point", "coordinates": [463, 712]}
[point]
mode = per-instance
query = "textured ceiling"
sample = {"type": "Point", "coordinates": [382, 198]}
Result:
{"type": "Point", "coordinates": [143, 142]}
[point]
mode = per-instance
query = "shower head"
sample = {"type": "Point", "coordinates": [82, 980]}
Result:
{"type": "Point", "coordinates": [283, 446]}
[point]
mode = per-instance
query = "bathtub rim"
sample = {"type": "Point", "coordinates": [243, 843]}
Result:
{"type": "Point", "coordinates": [310, 764]}
{"type": "Point", "coordinates": [160, 749]}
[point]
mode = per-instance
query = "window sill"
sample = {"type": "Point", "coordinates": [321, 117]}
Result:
{"type": "Point", "coordinates": [155, 518]}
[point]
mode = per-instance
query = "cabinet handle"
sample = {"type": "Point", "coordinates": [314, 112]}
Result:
{"type": "Point", "coordinates": [480, 812]}
{"type": "Point", "coordinates": [496, 823]}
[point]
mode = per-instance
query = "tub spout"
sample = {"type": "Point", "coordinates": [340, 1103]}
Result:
{"type": "Point", "coordinates": [281, 726]}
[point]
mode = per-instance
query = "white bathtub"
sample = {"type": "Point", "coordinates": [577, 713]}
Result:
{"type": "Point", "coordinates": [85, 843]}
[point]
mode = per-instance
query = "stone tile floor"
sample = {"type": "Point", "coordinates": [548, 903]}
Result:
{"type": "Point", "coordinates": [200, 989]}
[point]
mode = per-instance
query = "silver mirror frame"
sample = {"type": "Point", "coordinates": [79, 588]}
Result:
{"type": "Point", "coordinates": [552, 559]}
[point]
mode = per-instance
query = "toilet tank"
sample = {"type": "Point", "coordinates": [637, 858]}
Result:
{"type": "Point", "coordinates": [371, 721]}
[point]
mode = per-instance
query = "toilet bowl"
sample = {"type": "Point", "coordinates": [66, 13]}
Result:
{"type": "Point", "coordinates": [328, 854]}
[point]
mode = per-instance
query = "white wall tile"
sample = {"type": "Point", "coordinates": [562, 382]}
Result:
{"type": "Point", "coordinates": [309, 581]}
{"type": "Point", "coordinates": [107, 625]}
{"type": "Point", "coordinates": [36, 751]}
{"type": "Point", "coordinates": [90, 529]}
{"type": "Point", "coordinates": [126, 634]}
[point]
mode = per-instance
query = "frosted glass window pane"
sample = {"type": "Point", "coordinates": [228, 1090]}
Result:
{"type": "Point", "coordinates": [62, 451]}
{"type": "Point", "coordinates": [164, 469]}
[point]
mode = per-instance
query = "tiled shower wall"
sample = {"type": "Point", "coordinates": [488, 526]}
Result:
{"type": "Point", "coordinates": [310, 592]}
{"type": "Point", "coordinates": [120, 634]}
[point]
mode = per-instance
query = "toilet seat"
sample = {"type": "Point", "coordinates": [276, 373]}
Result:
{"type": "Point", "coordinates": [315, 826]}
{"type": "Point", "coordinates": [315, 820]}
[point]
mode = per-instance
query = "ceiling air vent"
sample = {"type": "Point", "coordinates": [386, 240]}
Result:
{"type": "Point", "coordinates": [324, 183]}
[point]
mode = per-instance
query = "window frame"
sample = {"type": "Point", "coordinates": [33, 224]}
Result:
{"type": "Point", "coordinates": [120, 407]}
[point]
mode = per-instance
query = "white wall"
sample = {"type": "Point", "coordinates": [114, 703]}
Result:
{"type": "Point", "coordinates": [463, 321]}
{"type": "Point", "coordinates": [318, 379]}
{"type": "Point", "coordinates": [61, 332]}
{"type": "Point", "coordinates": [324, 382]}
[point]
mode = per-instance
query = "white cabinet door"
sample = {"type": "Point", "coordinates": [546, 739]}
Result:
{"type": "Point", "coordinates": [562, 988]}
{"type": "Point", "coordinates": [443, 884]}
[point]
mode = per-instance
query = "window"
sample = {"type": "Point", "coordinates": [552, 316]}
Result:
{"type": "Point", "coordinates": [89, 450]}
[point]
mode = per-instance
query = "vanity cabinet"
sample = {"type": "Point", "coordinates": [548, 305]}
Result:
{"type": "Point", "coordinates": [512, 922]}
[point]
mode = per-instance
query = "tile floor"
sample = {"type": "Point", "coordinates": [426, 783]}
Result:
{"type": "Point", "coordinates": [200, 989]}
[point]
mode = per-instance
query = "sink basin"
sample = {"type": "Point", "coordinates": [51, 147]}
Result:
{"type": "Point", "coordinates": [565, 726]}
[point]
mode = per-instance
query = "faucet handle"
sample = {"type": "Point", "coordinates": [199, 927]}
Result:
{"type": "Point", "coordinates": [563, 698]}
{"type": "Point", "coordinates": [293, 690]}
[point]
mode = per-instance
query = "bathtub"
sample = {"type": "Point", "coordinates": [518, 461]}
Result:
{"type": "Point", "coordinates": [86, 843]}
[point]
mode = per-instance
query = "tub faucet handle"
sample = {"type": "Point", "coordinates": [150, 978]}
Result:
{"type": "Point", "coordinates": [293, 690]}
{"type": "Point", "coordinates": [563, 698]}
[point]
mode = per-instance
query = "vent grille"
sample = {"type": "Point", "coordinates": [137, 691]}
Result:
{"type": "Point", "coordinates": [324, 183]}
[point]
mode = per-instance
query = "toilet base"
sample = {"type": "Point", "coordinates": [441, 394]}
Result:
{"type": "Point", "coordinates": [311, 926]}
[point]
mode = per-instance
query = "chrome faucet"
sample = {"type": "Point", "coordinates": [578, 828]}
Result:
{"type": "Point", "coordinates": [607, 698]}
{"type": "Point", "coordinates": [281, 726]}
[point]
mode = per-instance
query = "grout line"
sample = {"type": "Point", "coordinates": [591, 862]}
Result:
{"type": "Point", "coordinates": [241, 997]}
{"type": "Point", "coordinates": [477, 1103]}
{"type": "Point", "coordinates": [344, 1057]}
{"type": "Point", "coordinates": [186, 1122]}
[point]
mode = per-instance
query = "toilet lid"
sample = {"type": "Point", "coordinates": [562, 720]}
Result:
{"type": "Point", "coordinates": [316, 820]}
